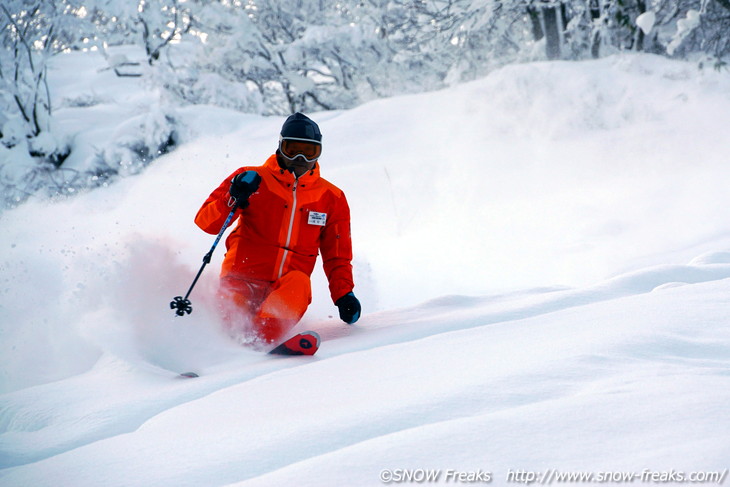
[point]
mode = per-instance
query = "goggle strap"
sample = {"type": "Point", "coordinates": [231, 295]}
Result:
{"type": "Point", "coordinates": [311, 141]}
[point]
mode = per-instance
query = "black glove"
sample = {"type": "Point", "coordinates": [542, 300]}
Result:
{"type": "Point", "coordinates": [349, 308]}
{"type": "Point", "coordinates": [243, 185]}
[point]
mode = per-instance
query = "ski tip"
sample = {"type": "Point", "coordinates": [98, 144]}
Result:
{"type": "Point", "coordinates": [306, 343]}
{"type": "Point", "coordinates": [189, 375]}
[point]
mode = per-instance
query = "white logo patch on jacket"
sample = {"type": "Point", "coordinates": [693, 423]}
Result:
{"type": "Point", "coordinates": [316, 218]}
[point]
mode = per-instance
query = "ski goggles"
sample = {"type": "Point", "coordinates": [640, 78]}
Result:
{"type": "Point", "coordinates": [306, 149]}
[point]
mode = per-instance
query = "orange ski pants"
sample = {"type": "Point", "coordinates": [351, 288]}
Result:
{"type": "Point", "coordinates": [263, 310]}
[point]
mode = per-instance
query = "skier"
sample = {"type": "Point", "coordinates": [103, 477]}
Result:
{"type": "Point", "coordinates": [286, 215]}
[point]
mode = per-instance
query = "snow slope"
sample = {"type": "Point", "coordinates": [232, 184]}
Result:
{"type": "Point", "coordinates": [543, 258]}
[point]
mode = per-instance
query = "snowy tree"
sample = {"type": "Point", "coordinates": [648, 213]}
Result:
{"type": "Point", "coordinates": [161, 21]}
{"type": "Point", "coordinates": [598, 27]}
{"type": "Point", "coordinates": [278, 56]}
{"type": "Point", "coordinates": [32, 31]}
{"type": "Point", "coordinates": [29, 37]}
{"type": "Point", "coordinates": [702, 26]}
{"type": "Point", "coordinates": [27, 41]}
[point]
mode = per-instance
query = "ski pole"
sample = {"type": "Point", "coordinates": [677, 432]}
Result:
{"type": "Point", "coordinates": [182, 305]}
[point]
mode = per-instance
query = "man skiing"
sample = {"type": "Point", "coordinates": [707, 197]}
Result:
{"type": "Point", "coordinates": [286, 214]}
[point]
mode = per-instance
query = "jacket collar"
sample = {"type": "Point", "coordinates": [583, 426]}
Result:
{"type": "Point", "coordinates": [272, 164]}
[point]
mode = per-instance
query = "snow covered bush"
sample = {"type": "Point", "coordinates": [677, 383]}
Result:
{"type": "Point", "coordinates": [136, 144]}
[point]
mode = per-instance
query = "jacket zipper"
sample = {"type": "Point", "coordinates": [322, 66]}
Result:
{"type": "Point", "coordinates": [291, 227]}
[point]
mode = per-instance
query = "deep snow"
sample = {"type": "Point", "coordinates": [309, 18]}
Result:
{"type": "Point", "coordinates": [543, 258]}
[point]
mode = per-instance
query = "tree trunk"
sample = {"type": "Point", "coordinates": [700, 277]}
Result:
{"type": "Point", "coordinates": [534, 15]}
{"type": "Point", "coordinates": [595, 11]}
{"type": "Point", "coordinates": [552, 32]}
{"type": "Point", "coordinates": [641, 7]}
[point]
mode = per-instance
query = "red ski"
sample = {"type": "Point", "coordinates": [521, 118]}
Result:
{"type": "Point", "coordinates": [305, 343]}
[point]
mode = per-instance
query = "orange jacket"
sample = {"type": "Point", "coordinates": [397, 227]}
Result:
{"type": "Point", "coordinates": [286, 224]}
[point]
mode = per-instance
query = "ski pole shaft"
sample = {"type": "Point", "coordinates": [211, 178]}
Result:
{"type": "Point", "coordinates": [181, 304]}
{"type": "Point", "coordinates": [206, 258]}
{"type": "Point", "coordinates": [209, 255]}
